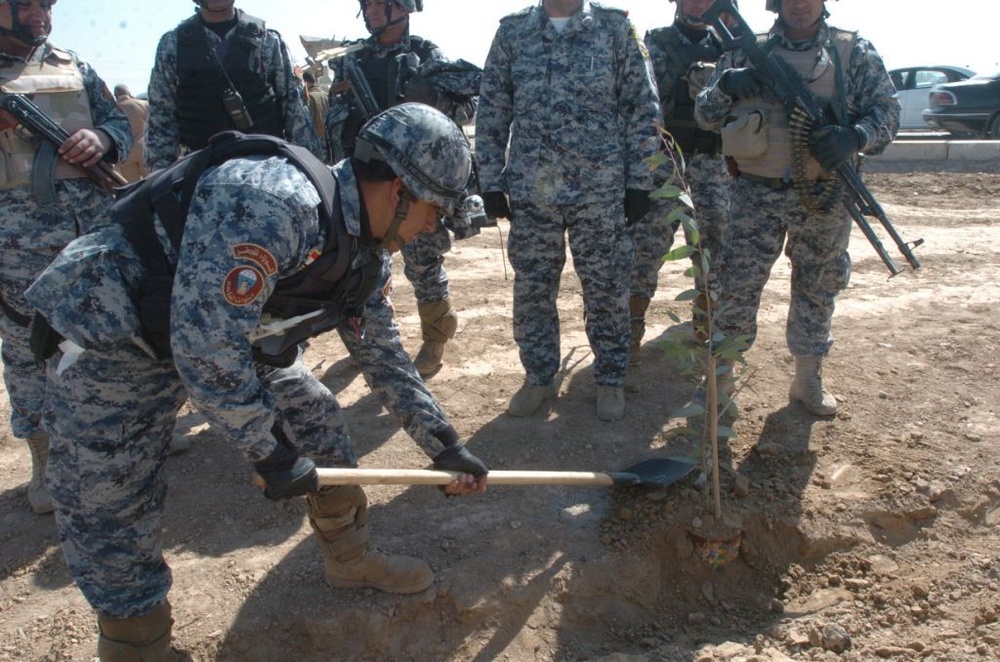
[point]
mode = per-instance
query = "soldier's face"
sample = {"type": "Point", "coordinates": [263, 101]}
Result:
{"type": "Point", "coordinates": [34, 15]}
{"type": "Point", "coordinates": [375, 13]}
{"type": "Point", "coordinates": [561, 8]}
{"type": "Point", "coordinates": [694, 8]}
{"type": "Point", "coordinates": [421, 217]}
{"type": "Point", "coordinates": [801, 16]}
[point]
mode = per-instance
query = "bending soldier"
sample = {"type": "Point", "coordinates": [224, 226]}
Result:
{"type": "Point", "coordinates": [44, 208]}
{"type": "Point", "coordinates": [787, 188]}
{"type": "Point", "coordinates": [303, 250]}
{"type": "Point", "coordinates": [389, 63]}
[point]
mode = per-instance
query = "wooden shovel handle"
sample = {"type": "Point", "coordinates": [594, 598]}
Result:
{"type": "Point", "coordinates": [431, 477]}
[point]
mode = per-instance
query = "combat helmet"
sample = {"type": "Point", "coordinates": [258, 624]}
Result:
{"type": "Point", "coordinates": [22, 32]}
{"type": "Point", "coordinates": [409, 5]}
{"type": "Point", "coordinates": [774, 5]}
{"type": "Point", "coordinates": [424, 148]}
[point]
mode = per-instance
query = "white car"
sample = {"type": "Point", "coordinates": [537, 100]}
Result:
{"type": "Point", "coordinates": [913, 85]}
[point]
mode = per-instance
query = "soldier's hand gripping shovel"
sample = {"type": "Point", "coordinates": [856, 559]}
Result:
{"type": "Point", "coordinates": [653, 473]}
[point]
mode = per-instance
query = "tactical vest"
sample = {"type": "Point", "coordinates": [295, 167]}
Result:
{"type": "Point", "coordinates": [336, 283]}
{"type": "Point", "coordinates": [817, 68]}
{"type": "Point", "coordinates": [386, 76]}
{"type": "Point", "coordinates": [677, 104]}
{"type": "Point", "coordinates": [57, 88]}
{"type": "Point", "coordinates": [201, 82]}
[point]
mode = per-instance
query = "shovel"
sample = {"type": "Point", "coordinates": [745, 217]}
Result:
{"type": "Point", "coordinates": [655, 473]}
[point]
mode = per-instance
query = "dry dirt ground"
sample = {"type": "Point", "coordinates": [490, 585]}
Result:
{"type": "Point", "coordinates": [873, 534]}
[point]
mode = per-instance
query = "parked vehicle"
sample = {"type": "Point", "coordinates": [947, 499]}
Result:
{"type": "Point", "coordinates": [969, 108]}
{"type": "Point", "coordinates": [913, 85]}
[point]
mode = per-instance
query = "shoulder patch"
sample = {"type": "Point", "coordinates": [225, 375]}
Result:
{"type": "Point", "coordinates": [242, 285]}
{"type": "Point", "coordinates": [260, 256]}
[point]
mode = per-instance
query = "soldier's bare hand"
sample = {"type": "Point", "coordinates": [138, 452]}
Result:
{"type": "Point", "coordinates": [465, 484]}
{"type": "Point", "coordinates": [85, 147]}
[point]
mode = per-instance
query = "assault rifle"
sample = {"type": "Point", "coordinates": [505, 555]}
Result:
{"type": "Point", "coordinates": [360, 89]}
{"type": "Point", "coordinates": [53, 135]}
{"type": "Point", "coordinates": [796, 98]}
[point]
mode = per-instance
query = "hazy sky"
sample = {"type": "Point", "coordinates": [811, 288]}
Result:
{"type": "Point", "coordinates": [119, 37]}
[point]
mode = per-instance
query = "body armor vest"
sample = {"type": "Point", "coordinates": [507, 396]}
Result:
{"type": "Point", "coordinates": [202, 82]}
{"type": "Point", "coordinates": [818, 70]}
{"type": "Point", "coordinates": [330, 289]}
{"type": "Point", "coordinates": [56, 87]}
{"type": "Point", "coordinates": [386, 75]}
{"type": "Point", "coordinates": [678, 104]}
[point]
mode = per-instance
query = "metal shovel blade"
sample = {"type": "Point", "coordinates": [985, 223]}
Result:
{"type": "Point", "coordinates": [648, 473]}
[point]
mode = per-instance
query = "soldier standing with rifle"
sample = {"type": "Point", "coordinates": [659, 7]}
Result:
{"type": "Point", "coordinates": [683, 55]}
{"type": "Point", "coordinates": [788, 186]}
{"type": "Point", "coordinates": [46, 195]}
{"type": "Point", "coordinates": [377, 73]}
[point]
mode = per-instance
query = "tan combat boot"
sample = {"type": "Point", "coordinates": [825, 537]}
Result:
{"type": "Point", "coordinates": [38, 492]}
{"type": "Point", "coordinates": [610, 403]}
{"type": "Point", "coordinates": [529, 399]}
{"type": "Point", "coordinates": [807, 387]}
{"type": "Point", "coordinates": [637, 306]}
{"type": "Point", "coordinates": [143, 638]}
{"type": "Point", "coordinates": [438, 323]}
{"type": "Point", "coordinates": [338, 516]}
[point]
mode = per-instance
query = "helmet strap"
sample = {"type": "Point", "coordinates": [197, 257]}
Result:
{"type": "Point", "coordinates": [402, 210]}
{"type": "Point", "coordinates": [21, 32]}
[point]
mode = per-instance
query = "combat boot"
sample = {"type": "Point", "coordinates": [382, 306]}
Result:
{"type": "Point", "coordinates": [338, 516]}
{"type": "Point", "coordinates": [38, 491]}
{"type": "Point", "coordinates": [438, 323]}
{"type": "Point", "coordinates": [637, 306]}
{"type": "Point", "coordinates": [529, 399]}
{"type": "Point", "coordinates": [807, 387]}
{"type": "Point", "coordinates": [143, 638]}
{"type": "Point", "coordinates": [610, 403]}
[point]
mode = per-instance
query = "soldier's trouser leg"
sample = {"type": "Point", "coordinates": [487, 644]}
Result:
{"type": "Point", "coordinates": [752, 244]}
{"type": "Point", "coordinates": [423, 260]}
{"type": "Point", "coordinates": [821, 268]}
{"type": "Point", "coordinates": [653, 235]}
{"type": "Point", "coordinates": [110, 418]}
{"type": "Point", "coordinates": [338, 516]}
{"type": "Point", "coordinates": [602, 251]}
{"type": "Point", "coordinates": [537, 252]}
{"type": "Point", "coordinates": [310, 414]}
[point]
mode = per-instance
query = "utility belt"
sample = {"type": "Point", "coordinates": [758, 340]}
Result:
{"type": "Point", "coordinates": [781, 184]}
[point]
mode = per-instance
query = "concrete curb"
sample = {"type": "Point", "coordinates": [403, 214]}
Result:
{"type": "Point", "coordinates": [941, 150]}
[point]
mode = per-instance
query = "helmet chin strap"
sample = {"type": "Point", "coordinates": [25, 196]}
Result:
{"type": "Point", "coordinates": [389, 22]}
{"type": "Point", "coordinates": [21, 32]}
{"type": "Point", "coordinates": [392, 232]}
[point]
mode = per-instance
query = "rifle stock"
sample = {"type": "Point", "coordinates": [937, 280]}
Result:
{"type": "Point", "coordinates": [794, 96]}
{"type": "Point", "coordinates": [41, 125]}
{"type": "Point", "coordinates": [360, 89]}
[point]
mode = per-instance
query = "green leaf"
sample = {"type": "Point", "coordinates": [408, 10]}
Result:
{"type": "Point", "coordinates": [692, 272]}
{"type": "Point", "coordinates": [677, 214]}
{"type": "Point", "coordinates": [687, 295]}
{"type": "Point", "coordinates": [666, 191]}
{"type": "Point", "coordinates": [726, 432]}
{"type": "Point", "coordinates": [686, 199]}
{"type": "Point", "coordinates": [673, 317]}
{"type": "Point", "coordinates": [679, 253]}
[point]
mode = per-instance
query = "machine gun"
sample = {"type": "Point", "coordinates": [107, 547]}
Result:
{"type": "Point", "coordinates": [798, 100]}
{"type": "Point", "coordinates": [53, 135]}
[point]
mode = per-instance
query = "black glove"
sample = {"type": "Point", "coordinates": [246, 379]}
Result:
{"type": "Point", "coordinates": [287, 474]}
{"type": "Point", "coordinates": [458, 458]}
{"type": "Point", "coordinates": [742, 83]}
{"type": "Point", "coordinates": [496, 205]}
{"type": "Point", "coordinates": [637, 204]}
{"type": "Point", "coordinates": [834, 145]}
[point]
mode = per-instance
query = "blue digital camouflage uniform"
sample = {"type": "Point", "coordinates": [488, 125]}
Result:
{"type": "Point", "coordinates": [423, 258]}
{"type": "Point", "coordinates": [762, 216]}
{"type": "Point", "coordinates": [251, 222]}
{"type": "Point", "coordinates": [32, 234]}
{"type": "Point", "coordinates": [163, 145]}
{"type": "Point", "coordinates": [580, 110]}
{"type": "Point", "coordinates": [672, 54]}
